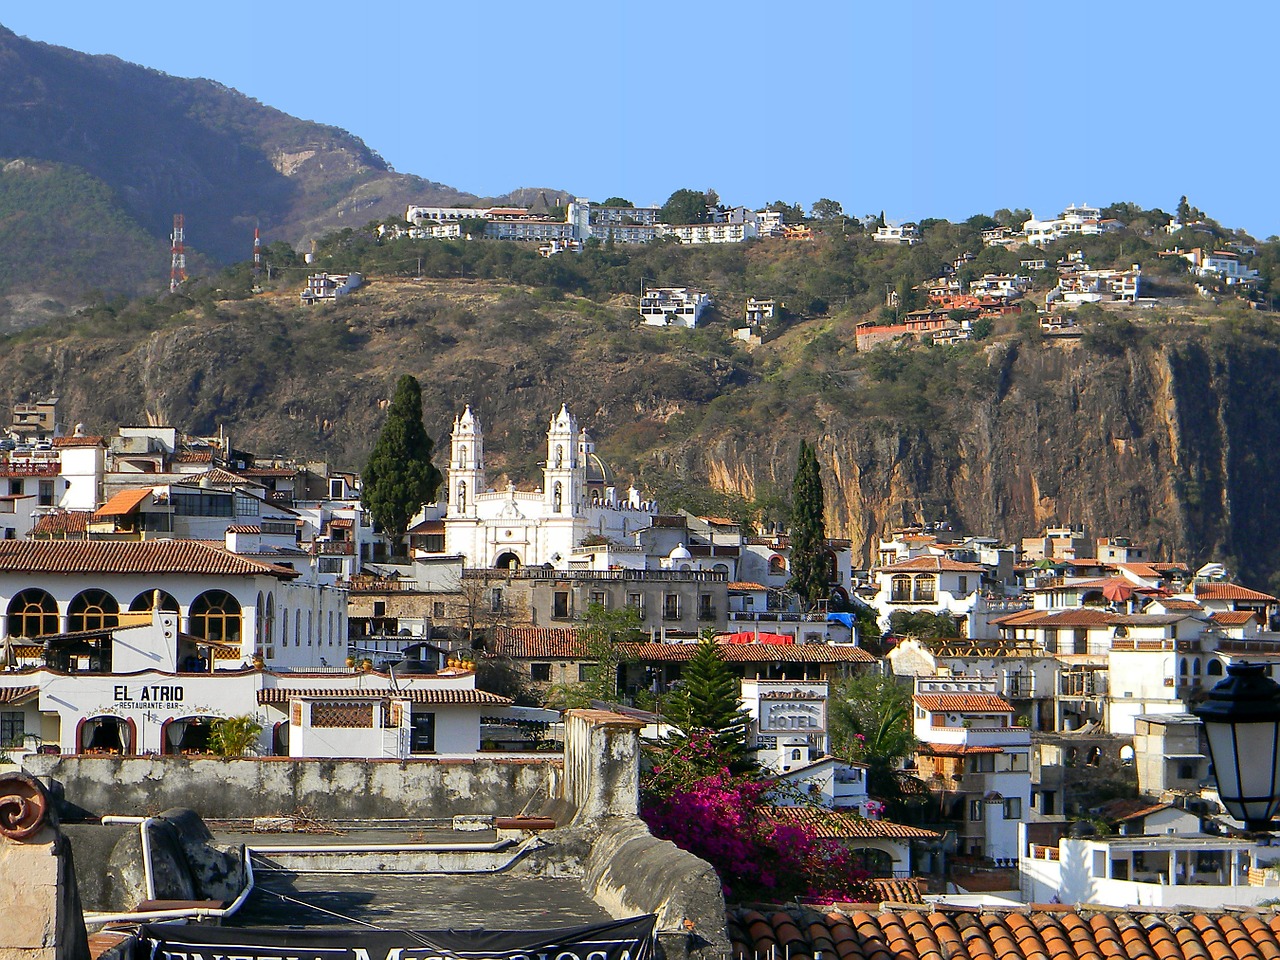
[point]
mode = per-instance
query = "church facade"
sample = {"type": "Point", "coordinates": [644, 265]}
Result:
{"type": "Point", "coordinates": [511, 528]}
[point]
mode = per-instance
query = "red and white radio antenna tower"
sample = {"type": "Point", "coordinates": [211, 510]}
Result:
{"type": "Point", "coordinates": [178, 261]}
{"type": "Point", "coordinates": [257, 251]}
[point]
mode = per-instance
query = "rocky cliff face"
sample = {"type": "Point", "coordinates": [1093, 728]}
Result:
{"type": "Point", "coordinates": [1173, 443]}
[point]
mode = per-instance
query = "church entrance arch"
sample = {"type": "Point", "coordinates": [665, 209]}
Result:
{"type": "Point", "coordinates": [507, 561]}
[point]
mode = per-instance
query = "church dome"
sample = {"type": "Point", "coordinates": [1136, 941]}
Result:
{"type": "Point", "coordinates": [680, 553]}
{"type": "Point", "coordinates": [598, 472]}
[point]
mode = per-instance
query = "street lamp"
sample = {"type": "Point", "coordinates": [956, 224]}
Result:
{"type": "Point", "coordinates": [1242, 724]}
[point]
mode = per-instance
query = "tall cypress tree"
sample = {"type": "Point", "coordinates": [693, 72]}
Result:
{"type": "Point", "coordinates": [810, 573]}
{"type": "Point", "coordinates": [400, 477]}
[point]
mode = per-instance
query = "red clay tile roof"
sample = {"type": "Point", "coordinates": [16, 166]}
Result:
{"type": "Point", "coordinates": [1078, 617]}
{"type": "Point", "coordinates": [17, 695]}
{"type": "Point", "coordinates": [750, 652]}
{"type": "Point", "coordinates": [897, 891]}
{"type": "Point", "coordinates": [427, 526]}
{"type": "Point", "coordinates": [77, 441]}
{"type": "Point", "coordinates": [221, 478]}
{"type": "Point", "coordinates": [933, 565]}
{"type": "Point", "coordinates": [128, 557]}
{"type": "Point", "coordinates": [63, 523]}
{"type": "Point", "coordinates": [123, 503]}
{"type": "Point", "coordinates": [954, 749]}
{"type": "Point", "coordinates": [746, 585]}
{"type": "Point", "coordinates": [193, 456]}
{"type": "Point", "coordinates": [538, 643]}
{"type": "Point", "coordinates": [1189, 605]}
{"type": "Point", "coordinates": [1229, 591]}
{"type": "Point", "coordinates": [341, 523]}
{"type": "Point", "coordinates": [834, 824]}
{"type": "Point", "coordinates": [268, 472]}
{"type": "Point", "coordinates": [413, 694]}
{"type": "Point", "coordinates": [963, 703]}
{"type": "Point", "coordinates": [1028, 932]}
{"type": "Point", "coordinates": [1233, 618]}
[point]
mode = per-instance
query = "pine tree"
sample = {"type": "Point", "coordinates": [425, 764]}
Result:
{"type": "Point", "coordinates": [400, 476]}
{"type": "Point", "coordinates": [708, 700]}
{"type": "Point", "coordinates": [810, 567]}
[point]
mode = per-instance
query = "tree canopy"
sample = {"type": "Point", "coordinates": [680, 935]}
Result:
{"type": "Point", "coordinates": [810, 568]}
{"type": "Point", "coordinates": [708, 700]}
{"type": "Point", "coordinates": [825, 209]}
{"type": "Point", "coordinates": [870, 717]}
{"type": "Point", "coordinates": [685, 206]}
{"type": "Point", "coordinates": [400, 477]}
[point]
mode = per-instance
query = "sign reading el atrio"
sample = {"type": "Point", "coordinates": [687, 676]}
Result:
{"type": "Point", "coordinates": [147, 696]}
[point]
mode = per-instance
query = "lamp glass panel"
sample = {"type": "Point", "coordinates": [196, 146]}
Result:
{"type": "Point", "coordinates": [1244, 762]}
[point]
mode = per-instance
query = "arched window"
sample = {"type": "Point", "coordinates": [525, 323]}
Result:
{"type": "Point", "coordinates": [215, 615]}
{"type": "Point", "coordinates": [33, 613]}
{"type": "Point", "coordinates": [330, 630]}
{"type": "Point", "coordinates": [1214, 669]}
{"type": "Point", "coordinates": [559, 497]}
{"type": "Point", "coordinates": [462, 495]}
{"type": "Point", "coordinates": [926, 588]}
{"type": "Point", "coordinates": [284, 626]}
{"type": "Point", "coordinates": [297, 628]}
{"type": "Point", "coordinates": [1182, 667]}
{"type": "Point", "coordinates": [900, 589]}
{"type": "Point", "coordinates": [878, 863]}
{"type": "Point", "coordinates": [93, 610]}
{"type": "Point", "coordinates": [720, 568]}
{"type": "Point", "coordinates": [309, 626]}
{"type": "Point", "coordinates": [269, 626]}
{"type": "Point", "coordinates": [1195, 667]}
{"type": "Point", "coordinates": [259, 620]}
{"type": "Point", "coordinates": [559, 454]}
{"type": "Point", "coordinates": [462, 454]}
{"type": "Point", "coordinates": [145, 602]}
{"type": "Point", "coordinates": [777, 566]}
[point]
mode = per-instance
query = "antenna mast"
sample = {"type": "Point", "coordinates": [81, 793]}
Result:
{"type": "Point", "coordinates": [257, 252]}
{"type": "Point", "coordinates": [178, 256]}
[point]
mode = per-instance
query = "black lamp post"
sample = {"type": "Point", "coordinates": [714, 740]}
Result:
{"type": "Point", "coordinates": [1242, 724]}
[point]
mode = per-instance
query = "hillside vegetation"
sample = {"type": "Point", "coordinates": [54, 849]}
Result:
{"type": "Point", "coordinates": [1158, 423]}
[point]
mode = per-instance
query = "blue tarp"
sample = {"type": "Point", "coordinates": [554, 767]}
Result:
{"type": "Point", "coordinates": [845, 618]}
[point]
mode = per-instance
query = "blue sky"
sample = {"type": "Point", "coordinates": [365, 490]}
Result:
{"type": "Point", "coordinates": [915, 108]}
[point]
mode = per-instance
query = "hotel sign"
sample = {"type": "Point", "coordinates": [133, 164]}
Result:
{"type": "Point", "coordinates": [619, 940]}
{"type": "Point", "coordinates": [793, 717]}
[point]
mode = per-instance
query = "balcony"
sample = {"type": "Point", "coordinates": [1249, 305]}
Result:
{"type": "Point", "coordinates": [333, 548]}
{"type": "Point", "coordinates": [775, 616]}
{"type": "Point", "coordinates": [706, 613]}
{"type": "Point", "coordinates": [586, 576]}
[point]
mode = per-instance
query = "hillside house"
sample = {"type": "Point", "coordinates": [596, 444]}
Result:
{"type": "Point", "coordinates": [673, 306]}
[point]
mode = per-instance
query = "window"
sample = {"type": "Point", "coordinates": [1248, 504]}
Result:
{"type": "Point", "coordinates": [282, 527]}
{"type": "Point", "coordinates": [777, 566]}
{"type": "Point", "coordinates": [379, 608]}
{"type": "Point", "coordinates": [337, 489]}
{"type": "Point", "coordinates": [437, 609]}
{"type": "Point", "coordinates": [540, 672]}
{"type": "Point", "coordinates": [671, 606]}
{"type": "Point", "coordinates": [329, 565]}
{"type": "Point", "coordinates": [900, 589]}
{"type": "Point", "coordinates": [1186, 770]}
{"type": "Point", "coordinates": [560, 605]}
{"type": "Point", "coordinates": [15, 488]}
{"type": "Point", "coordinates": [633, 600]}
{"type": "Point", "coordinates": [495, 600]}
{"type": "Point", "coordinates": [962, 585]}
{"type": "Point", "coordinates": [1013, 808]}
{"type": "Point", "coordinates": [13, 728]}
{"type": "Point", "coordinates": [926, 588]}
{"type": "Point", "coordinates": [45, 498]}
{"type": "Point", "coordinates": [32, 613]}
{"type": "Point", "coordinates": [584, 672]}
{"type": "Point", "coordinates": [982, 763]}
{"type": "Point", "coordinates": [247, 506]}
{"type": "Point", "coordinates": [202, 504]}
{"type": "Point", "coordinates": [975, 810]}
{"type": "Point", "coordinates": [1019, 762]}
{"type": "Point", "coordinates": [93, 610]}
{"type": "Point", "coordinates": [598, 597]}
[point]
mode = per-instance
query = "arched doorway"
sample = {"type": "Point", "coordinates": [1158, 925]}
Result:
{"type": "Point", "coordinates": [108, 736]}
{"type": "Point", "coordinates": [507, 561]}
{"type": "Point", "coordinates": [186, 735]}
{"type": "Point", "coordinates": [280, 739]}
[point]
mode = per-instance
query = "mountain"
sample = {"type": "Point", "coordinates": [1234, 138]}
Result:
{"type": "Point", "coordinates": [162, 145]}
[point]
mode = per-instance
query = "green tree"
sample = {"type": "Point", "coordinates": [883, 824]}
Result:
{"type": "Point", "coordinates": [234, 736]}
{"type": "Point", "coordinates": [870, 718]}
{"type": "Point", "coordinates": [400, 477]}
{"type": "Point", "coordinates": [599, 632]}
{"type": "Point", "coordinates": [923, 624]}
{"type": "Point", "coordinates": [685, 206]}
{"type": "Point", "coordinates": [826, 209]}
{"type": "Point", "coordinates": [708, 700]}
{"type": "Point", "coordinates": [617, 202]}
{"type": "Point", "coordinates": [791, 212]}
{"type": "Point", "coordinates": [810, 567]}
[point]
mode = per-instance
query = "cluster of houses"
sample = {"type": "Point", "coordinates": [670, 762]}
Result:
{"type": "Point", "coordinates": [152, 583]}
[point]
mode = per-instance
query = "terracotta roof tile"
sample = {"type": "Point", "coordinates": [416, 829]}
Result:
{"type": "Point", "coordinates": [413, 694]}
{"type": "Point", "coordinates": [129, 557]}
{"type": "Point", "coordinates": [193, 456]}
{"type": "Point", "coordinates": [750, 652]}
{"type": "Point", "coordinates": [538, 643]}
{"type": "Point", "coordinates": [17, 695]}
{"type": "Point", "coordinates": [222, 478]}
{"type": "Point", "coordinates": [77, 441]}
{"type": "Point", "coordinates": [1028, 932]}
{"type": "Point", "coordinates": [746, 585]}
{"type": "Point", "coordinates": [1229, 591]}
{"type": "Point", "coordinates": [963, 703]}
{"type": "Point", "coordinates": [124, 503]}
{"type": "Point", "coordinates": [1233, 618]}
{"type": "Point", "coordinates": [62, 523]}
{"type": "Point", "coordinates": [834, 824]}
{"type": "Point", "coordinates": [933, 565]}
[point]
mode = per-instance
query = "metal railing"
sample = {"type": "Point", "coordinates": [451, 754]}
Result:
{"type": "Point", "coordinates": [652, 576]}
